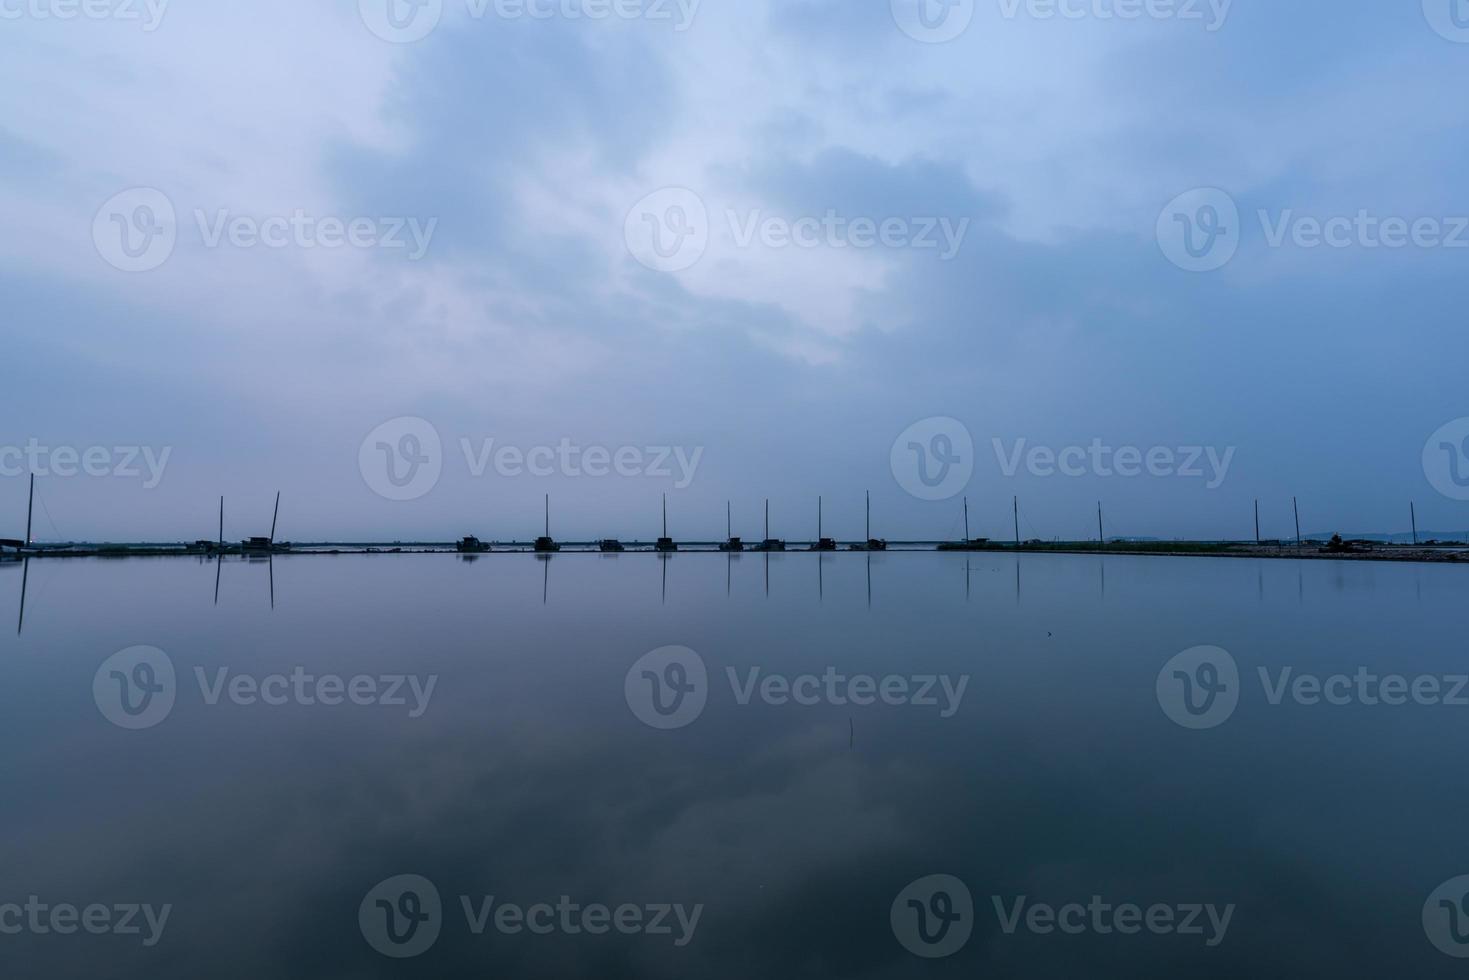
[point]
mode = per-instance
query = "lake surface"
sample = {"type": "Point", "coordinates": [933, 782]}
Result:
{"type": "Point", "coordinates": [897, 765]}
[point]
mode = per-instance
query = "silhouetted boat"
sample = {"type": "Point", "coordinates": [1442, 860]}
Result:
{"type": "Point", "coordinates": [873, 544]}
{"type": "Point", "coordinates": [610, 544]}
{"type": "Point", "coordinates": [968, 544]}
{"type": "Point", "coordinates": [471, 546]}
{"type": "Point", "coordinates": [769, 544]}
{"type": "Point", "coordinates": [258, 545]}
{"type": "Point", "coordinates": [731, 543]}
{"type": "Point", "coordinates": [545, 544]}
{"type": "Point", "coordinates": [665, 543]}
{"type": "Point", "coordinates": [822, 543]}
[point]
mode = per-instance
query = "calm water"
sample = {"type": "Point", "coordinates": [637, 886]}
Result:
{"type": "Point", "coordinates": [741, 839]}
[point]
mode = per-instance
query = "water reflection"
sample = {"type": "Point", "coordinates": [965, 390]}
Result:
{"type": "Point", "coordinates": [528, 777]}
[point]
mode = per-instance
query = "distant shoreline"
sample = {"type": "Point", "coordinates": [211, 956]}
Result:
{"type": "Point", "coordinates": [1309, 550]}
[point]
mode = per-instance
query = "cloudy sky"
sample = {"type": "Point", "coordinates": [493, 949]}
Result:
{"type": "Point", "coordinates": [730, 251]}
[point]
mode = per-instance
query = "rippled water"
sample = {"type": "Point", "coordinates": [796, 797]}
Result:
{"type": "Point", "coordinates": [519, 729]}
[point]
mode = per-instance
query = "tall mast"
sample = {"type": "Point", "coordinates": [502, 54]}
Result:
{"type": "Point", "coordinates": [1257, 520]}
{"type": "Point", "coordinates": [1296, 506]}
{"type": "Point", "coordinates": [1016, 506]}
{"type": "Point", "coordinates": [221, 520]}
{"type": "Point", "coordinates": [548, 515]}
{"type": "Point", "coordinates": [1413, 510]}
{"type": "Point", "coordinates": [767, 518]}
{"type": "Point", "coordinates": [1101, 538]}
{"type": "Point", "coordinates": [966, 520]}
{"type": "Point", "coordinates": [818, 518]}
{"type": "Point", "coordinates": [665, 515]}
{"type": "Point", "coordinates": [30, 509]}
{"type": "Point", "coordinates": [275, 516]}
{"type": "Point", "coordinates": [869, 515]}
{"type": "Point", "coordinates": [728, 519]}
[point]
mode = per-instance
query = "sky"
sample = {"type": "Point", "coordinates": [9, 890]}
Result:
{"type": "Point", "coordinates": [417, 266]}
